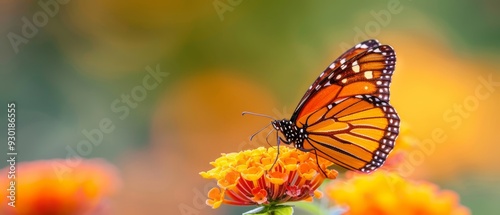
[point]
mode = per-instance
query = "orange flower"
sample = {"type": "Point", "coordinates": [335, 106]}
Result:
{"type": "Point", "coordinates": [246, 178]}
{"type": "Point", "coordinates": [57, 188]}
{"type": "Point", "coordinates": [388, 193]}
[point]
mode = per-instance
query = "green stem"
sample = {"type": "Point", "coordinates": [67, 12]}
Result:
{"type": "Point", "coordinates": [271, 210]}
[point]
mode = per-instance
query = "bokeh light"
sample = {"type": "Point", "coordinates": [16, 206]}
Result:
{"type": "Point", "coordinates": [157, 88]}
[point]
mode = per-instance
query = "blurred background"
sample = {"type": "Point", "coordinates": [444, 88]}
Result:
{"type": "Point", "coordinates": [171, 79]}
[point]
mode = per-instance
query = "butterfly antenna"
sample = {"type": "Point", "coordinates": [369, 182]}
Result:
{"type": "Point", "coordinates": [257, 114]}
{"type": "Point", "coordinates": [253, 135]}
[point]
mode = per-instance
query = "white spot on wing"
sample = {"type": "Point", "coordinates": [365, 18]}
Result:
{"type": "Point", "coordinates": [355, 68]}
{"type": "Point", "coordinates": [344, 80]}
{"type": "Point", "coordinates": [369, 74]}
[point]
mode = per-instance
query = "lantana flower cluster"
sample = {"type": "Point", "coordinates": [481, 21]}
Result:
{"type": "Point", "coordinates": [252, 177]}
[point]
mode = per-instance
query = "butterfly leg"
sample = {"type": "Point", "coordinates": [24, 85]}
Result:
{"type": "Point", "coordinates": [317, 158]}
{"type": "Point", "coordinates": [317, 163]}
{"type": "Point", "coordinates": [284, 141]}
{"type": "Point", "coordinates": [278, 138]}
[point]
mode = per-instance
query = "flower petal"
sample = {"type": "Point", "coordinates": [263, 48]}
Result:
{"type": "Point", "coordinates": [277, 178]}
{"type": "Point", "coordinates": [215, 197]}
{"type": "Point", "coordinates": [259, 195]}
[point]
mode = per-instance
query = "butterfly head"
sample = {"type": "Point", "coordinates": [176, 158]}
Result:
{"type": "Point", "coordinates": [291, 133]}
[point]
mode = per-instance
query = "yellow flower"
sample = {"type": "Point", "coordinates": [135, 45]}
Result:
{"type": "Point", "coordinates": [58, 188]}
{"type": "Point", "coordinates": [246, 178]}
{"type": "Point", "coordinates": [387, 193]}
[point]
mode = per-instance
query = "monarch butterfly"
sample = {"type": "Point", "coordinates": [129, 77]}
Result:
{"type": "Point", "coordinates": [345, 115]}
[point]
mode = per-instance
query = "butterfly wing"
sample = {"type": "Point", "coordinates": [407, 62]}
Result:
{"type": "Point", "coordinates": [356, 132]}
{"type": "Point", "coordinates": [346, 113]}
{"type": "Point", "coordinates": [365, 69]}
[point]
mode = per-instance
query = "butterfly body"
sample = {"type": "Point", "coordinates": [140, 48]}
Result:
{"type": "Point", "coordinates": [293, 134]}
{"type": "Point", "coordinates": [345, 115]}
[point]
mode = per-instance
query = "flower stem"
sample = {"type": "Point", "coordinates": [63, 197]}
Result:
{"type": "Point", "coordinates": [271, 210]}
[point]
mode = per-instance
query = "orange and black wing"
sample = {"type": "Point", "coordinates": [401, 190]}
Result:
{"type": "Point", "coordinates": [356, 132]}
{"type": "Point", "coordinates": [365, 69]}
{"type": "Point", "coordinates": [346, 113]}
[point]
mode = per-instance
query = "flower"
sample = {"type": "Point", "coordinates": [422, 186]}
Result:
{"type": "Point", "coordinates": [57, 187]}
{"type": "Point", "coordinates": [252, 178]}
{"type": "Point", "coordinates": [388, 193]}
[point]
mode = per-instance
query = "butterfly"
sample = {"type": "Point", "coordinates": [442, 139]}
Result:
{"type": "Point", "coordinates": [345, 115]}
